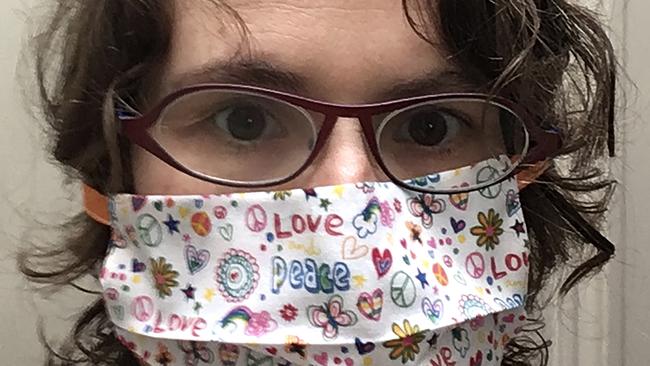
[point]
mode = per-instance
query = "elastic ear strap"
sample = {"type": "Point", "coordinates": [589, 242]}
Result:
{"type": "Point", "coordinates": [529, 175]}
{"type": "Point", "coordinates": [96, 205]}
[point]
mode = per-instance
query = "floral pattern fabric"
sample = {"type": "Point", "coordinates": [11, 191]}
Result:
{"type": "Point", "coordinates": [357, 274]}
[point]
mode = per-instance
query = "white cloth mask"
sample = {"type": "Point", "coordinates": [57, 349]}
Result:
{"type": "Point", "coordinates": [355, 274]}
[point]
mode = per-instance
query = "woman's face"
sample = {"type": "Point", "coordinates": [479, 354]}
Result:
{"type": "Point", "coordinates": [337, 50]}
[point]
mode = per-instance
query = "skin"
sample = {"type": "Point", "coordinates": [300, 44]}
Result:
{"type": "Point", "coordinates": [347, 50]}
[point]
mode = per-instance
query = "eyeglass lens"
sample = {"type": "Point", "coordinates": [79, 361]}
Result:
{"type": "Point", "coordinates": [248, 137]}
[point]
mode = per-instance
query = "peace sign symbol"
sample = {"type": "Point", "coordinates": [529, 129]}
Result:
{"type": "Point", "coordinates": [149, 230]}
{"type": "Point", "coordinates": [475, 265]}
{"type": "Point", "coordinates": [402, 290]}
{"type": "Point", "coordinates": [489, 174]}
{"type": "Point", "coordinates": [142, 308]}
{"type": "Point", "coordinates": [256, 218]}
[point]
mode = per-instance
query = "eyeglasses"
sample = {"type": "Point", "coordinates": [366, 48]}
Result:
{"type": "Point", "coordinates": [247, 136]}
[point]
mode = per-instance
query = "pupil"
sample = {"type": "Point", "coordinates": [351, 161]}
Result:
{"type": "Point", "coordinates": [428, 128]}
{"type": "Point", "coordinates": [246, 123]}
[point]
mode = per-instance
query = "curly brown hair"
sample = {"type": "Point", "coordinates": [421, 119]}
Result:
{"type": "Point", "coordinates": [550, 56]}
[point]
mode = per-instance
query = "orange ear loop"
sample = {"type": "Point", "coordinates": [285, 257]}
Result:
{"type": "Point", "coordinates": [96, 204]}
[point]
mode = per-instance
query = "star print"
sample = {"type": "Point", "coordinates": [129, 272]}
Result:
{"type": "Point", "coordinates": [189, 292]}
{"type": "Point", "coordinates": [186, 238]}
{"type": "Point", "coordinates": [422, 277]}
{"type": "Point", "coordinates": [435, 290]}
{"type": "Point", "coordinates": [310, 193]}
{"type": "Point", "coordinates": [208, 294]}
{"type": "Point", "coordinates": [359, 280]}
{"type": "Point", "coordinates": [518, 227]}
{"type": "Point", "coordinates": [172, 224]}
{"type": "Point", "coordinates": [433, 341]}
{"type": "Point", "coordinates": [197, 307]}
{"type": "Point", "coordinates": [325, 203]}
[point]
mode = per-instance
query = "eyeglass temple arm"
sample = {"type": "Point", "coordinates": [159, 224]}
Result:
{"type": "Point", "coordinates": [546, 145]}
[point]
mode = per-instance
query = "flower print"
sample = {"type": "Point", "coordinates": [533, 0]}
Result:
{"type": "Point", "coordinates": [196, 352]}
{"type": "Point", "coordinates": [164, 357]}
{"type": "Point", "coordinates": [426, 181]}
{"type": "Point", "coordinates": [387, 214]}
{"type": "Point", "coordinates": [408, 344]}
{"type": "Point", "coordinates": [477, 323]}
{"type": "Point", "coordinates": [365, 225]}
{"type": "Point", "coordinates": [398, 205]}
{"type": "Point", "coordinates": [416, 231]}
{"type": "Point", "coordinates": [365, 187]}
{"type": "Point", "coordinates": [366, 221]}
{"type": "Point", "coordinates": [281, 195]}
{"type": "Point", "coordinates": [425, 206]}
{"type": "Point", "coordinates": [489, 229]}
{"type": "Point", "coordinates": [260, 324]}
{"type": "Point", "coordinates": [294, 344]}
{"type": "Point", "coordinates": [331, 316]}
{"type": "Point", "coordinates": [289, 312]}
{"type": "Point", "coordinates": [163, 275]}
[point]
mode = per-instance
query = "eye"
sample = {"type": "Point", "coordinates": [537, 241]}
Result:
{"type": "Point", "coordinates": [429, 127]}
{"type": "Point", "coordinates": [243, 122]}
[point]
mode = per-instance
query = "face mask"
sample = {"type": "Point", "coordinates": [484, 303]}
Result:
{"type": "Point", "coordinates": [355, 274]}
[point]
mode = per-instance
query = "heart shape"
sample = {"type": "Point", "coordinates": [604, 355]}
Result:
{"type": "Point", "coordinates": [138, 202]}
{"type": "Point", "coordinates": [226, 232]}
{"type": "Point", "coordinates": [198, 203]}
{"type": "Point", "coordinates": [363, 347]}
{"type": "Point", "coordinates": [382, 261]}
{"type": "Point", "coordinates": [460, 278]}
{"type": "Point", "coordinates": [460, 200]}
{"type": "Point", "coordinates": [196, 259]}
{"type": "Point", "coordinates": [509, 318]}
{"type": "Point", "coordinates": [321, 359]}
{"type": "Point", "coordinates": [271, 350]}
{"type": "Point", "coordinates": [406, 260]}
{"type": "Point", "coordinates": [138, 266]}
{"type": "Point", "coordinates": [350, 249]}
{"type": "Point", "coordinates": [490, 337]}
{"type": "Point", "coordinates": [458, 226]}
{"type": "Point", "coordinates": [433, 311]}
{"type": "Point", "coordinates": [371, 305]}
{"type": "Point", "coordinates": [477, 359]}
{"type": "Point", "coordinates": [512, 203]}
{"type": "Point", "coordinates": [158, 205]}
{"type": "Point", "coordinates": [348, 362]}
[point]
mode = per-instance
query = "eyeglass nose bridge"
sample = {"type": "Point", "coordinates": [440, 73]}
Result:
{"type": "Point", "coordinates": [361, 115]}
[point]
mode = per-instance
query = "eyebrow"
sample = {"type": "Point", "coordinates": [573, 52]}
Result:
{"type": "Point", "coordinates": [262, 73]}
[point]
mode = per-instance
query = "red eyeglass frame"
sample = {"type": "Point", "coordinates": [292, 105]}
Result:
{"type": "Point", "coordinates": [543, 144]}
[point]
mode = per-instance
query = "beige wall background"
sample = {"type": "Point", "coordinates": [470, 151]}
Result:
{"type": "Point", "coordinates": [606, 322]}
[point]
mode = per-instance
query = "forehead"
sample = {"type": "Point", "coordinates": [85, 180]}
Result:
{"type": "Point", "coordinates": [342, 47]}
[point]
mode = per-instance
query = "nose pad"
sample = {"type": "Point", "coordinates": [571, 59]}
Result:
{"type": "Point", "coordinates": [345, 157]}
